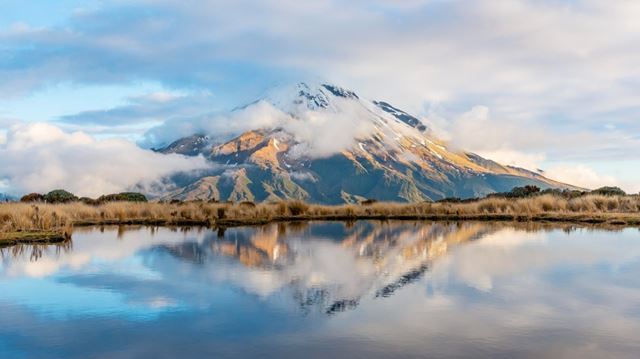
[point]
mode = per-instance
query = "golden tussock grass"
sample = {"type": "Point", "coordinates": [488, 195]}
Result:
{"type": "Point", "coordinates": [22, 217]}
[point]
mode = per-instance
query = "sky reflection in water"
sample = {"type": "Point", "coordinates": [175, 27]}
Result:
{"type": "Point", "coordinates": [365, 289]}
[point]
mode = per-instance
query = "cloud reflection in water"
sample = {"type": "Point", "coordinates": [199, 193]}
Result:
{"type": "Point", "coordinates": [390, 288]}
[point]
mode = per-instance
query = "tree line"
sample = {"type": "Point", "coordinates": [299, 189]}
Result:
{"type": "Point", "coordinates": [62, 196]}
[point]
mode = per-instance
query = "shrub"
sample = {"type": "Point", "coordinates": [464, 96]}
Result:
{"type": "Point", "coordinates": [526, 191]}
{"type": "Point", "coordinates": [553, 191]}
{"type": "Point", "coordinates": [609, 191]}
{"type": "Point", "coordinates": [569, 194]}
{"type": "Point", "coordinates": [32, 197]}
{"type": "Point", "coordinates": [89, 201]}
{"type": "Point", "coordinates": [247, 204]}
{"type": "Point", "coordinates": [134, 197]}
{"type": "Point", "coordinates": [60, 196]}
{"type": "Point", "coordinates": [519, 192]}
{"type": "Point", "coordinates": [368, 202]}
{"type": "Point", "coordinates": [123, 197]}
{"type": "Point", "coordinates": [450, 200]}
{"type": "Point", "coordinates": [457, 200]}
{"type": "Point", "coordinates": [297, 208]}
{"type": "Point", "coordinates": [281, 208]}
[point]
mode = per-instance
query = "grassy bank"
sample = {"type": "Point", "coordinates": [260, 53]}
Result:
{"type": "Point", "coordinates": [35, 237]}
{"type": "Point", "coordinates": [27, 220]}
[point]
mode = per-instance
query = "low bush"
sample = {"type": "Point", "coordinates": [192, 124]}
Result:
{"type": "Point", "coordinates": [60, 196]}
{"type": "Point", "coordinates": [457, 200]}
{"type": "Point", "coordinates": [32, 197]}
{"type": "Point", "coordinates": [609, 191]}
{"type": "Point", "coordinates": [518, 192]}
{"type": "Point", "coordinates": [89, 201]}
{"type": "Point", "coordinates": [45, 216]}
{"type": "Point", "coordinates": [247, 204]}
{"type": "Point", "coordinates": [123, 197]}
{"type": "Point", "coordinates": [297, 208]}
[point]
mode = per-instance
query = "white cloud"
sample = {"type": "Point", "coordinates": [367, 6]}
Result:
{"type": "Point", "coordinates": [511, 157]}
{"type": "Point", "coordinates": [551, 72]}
{"type": "Point", "coordinates": [583, 176]}
{"type": "Point", "coordinates": [320, 133]}
{"type": "Point", "coordinates": [579, 175]}
{"type": "Point", "coordinates": [258, 115]}
{"type": "Point", "coordinates": [512, 141]}
{"type": "Point", "coordinates": [529, 144]}
{"type": "Point", "coordinates": [146, 109]}
{"type": "Point", "coordinates": [40, 157]}
{"type": "Point", "coordinates": [326, 133]}
{"type": "Point", "coordinates": [516, 56]}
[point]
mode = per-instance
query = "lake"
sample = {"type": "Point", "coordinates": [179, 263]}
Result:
{"type": "Point", "coordinates": [325, 289]}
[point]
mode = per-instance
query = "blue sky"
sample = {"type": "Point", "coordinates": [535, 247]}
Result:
{"type": "Point", "coordinates": [551, 84]}
{"type": "Point", "coordinates": [40, 12]}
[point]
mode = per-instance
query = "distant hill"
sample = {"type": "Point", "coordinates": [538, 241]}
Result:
{"type": "Point", "coordinates": [397, 159]}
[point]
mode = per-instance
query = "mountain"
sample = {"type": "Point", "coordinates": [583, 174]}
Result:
{"type": "Point", "coordinates": [323, 143]}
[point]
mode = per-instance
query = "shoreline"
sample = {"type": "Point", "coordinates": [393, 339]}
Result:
{"type": "Point", "coordinates": [623, 219]}
{"type": "Point", "coordinates": [50, 223]}
{"type": "Point", "coordinates": [52, 237]}
{"type": "Point", "coordinates": [32, 237]}
{"type": "Point", "coordinates": [630, 221]}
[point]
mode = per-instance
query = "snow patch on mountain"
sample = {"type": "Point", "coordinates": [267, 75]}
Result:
{"type": "Point", "coordinates": [323, 120]}
{"type": "Point", "coordinates": [326, 119]}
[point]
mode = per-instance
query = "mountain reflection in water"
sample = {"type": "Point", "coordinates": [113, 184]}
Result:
{"type": "Point", "coordinates": [375, 288]}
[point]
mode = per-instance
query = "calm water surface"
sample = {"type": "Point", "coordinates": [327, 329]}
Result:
{"type": "Point", "coordinates": [360, 290]}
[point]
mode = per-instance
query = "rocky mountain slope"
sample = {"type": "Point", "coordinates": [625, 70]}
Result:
{"type": "Point", "coordinates": [325, 144]}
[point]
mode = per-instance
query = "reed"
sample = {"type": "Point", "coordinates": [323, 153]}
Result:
{"type": "Point", "coordinates": [60, 218]}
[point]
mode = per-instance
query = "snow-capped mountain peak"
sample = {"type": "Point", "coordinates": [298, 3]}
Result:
{"type": "Point", "coordinates": [308, 96]}
{"type": "Point", "coordinates": [321, 105]}
{"type": "Point", "coordinates": [325, 143]}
